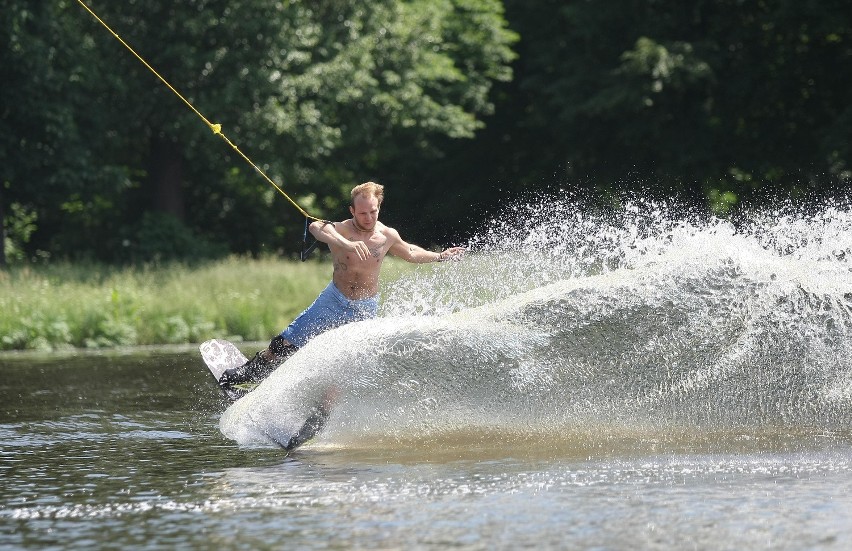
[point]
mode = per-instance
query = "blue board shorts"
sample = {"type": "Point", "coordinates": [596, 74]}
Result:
{"type": "Point", "coordinates": [330, 309]}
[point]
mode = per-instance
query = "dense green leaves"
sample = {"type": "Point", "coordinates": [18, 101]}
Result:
{"type": "Point", "coordinates": [680, 97]}
{"type": "Point", "coordinates": [315, 93]}
{"type": "Point", "coordinates": [716, 101]}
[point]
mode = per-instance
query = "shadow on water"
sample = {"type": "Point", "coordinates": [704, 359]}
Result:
{"type": "Point", "coordinates": [34, 384]}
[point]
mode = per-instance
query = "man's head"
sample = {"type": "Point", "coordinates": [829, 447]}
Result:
{"type": "Point", "coordinates": [368, 189]}
{"type": "Point", "coordinates": [366, 202]}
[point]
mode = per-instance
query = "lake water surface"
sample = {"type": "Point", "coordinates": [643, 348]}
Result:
{"type": "Point", "coordinates": [124, 451]}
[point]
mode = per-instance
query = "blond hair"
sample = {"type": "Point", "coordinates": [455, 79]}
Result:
{"type": "Point", "coordinates": [369, 189]}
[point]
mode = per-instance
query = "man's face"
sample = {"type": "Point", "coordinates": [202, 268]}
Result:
{"type": "Point", "coordinates": [365, 211]}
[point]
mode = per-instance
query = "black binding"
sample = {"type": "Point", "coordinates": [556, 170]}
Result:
{"type": "Point", "coordinates": [307, 249]}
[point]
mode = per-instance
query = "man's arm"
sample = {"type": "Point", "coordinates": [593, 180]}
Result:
{"type": "Point", "coordinates": [327, 233]}
{"type": "Point", "coordinates": [419, 255]}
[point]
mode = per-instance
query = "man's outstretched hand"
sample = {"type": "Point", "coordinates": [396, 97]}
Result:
{"type": "Point", "coordinates": [453, 253]}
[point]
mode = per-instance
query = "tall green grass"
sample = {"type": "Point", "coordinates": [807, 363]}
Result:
{"type": "Point", "coordinates": [92, 306]}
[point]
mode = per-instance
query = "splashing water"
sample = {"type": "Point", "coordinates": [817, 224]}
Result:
{"type": "Point", "coordinates": [560, 324]}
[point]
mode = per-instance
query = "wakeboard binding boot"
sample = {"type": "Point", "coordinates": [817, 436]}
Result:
{"type": "Point", "coordinates": [239, 381]}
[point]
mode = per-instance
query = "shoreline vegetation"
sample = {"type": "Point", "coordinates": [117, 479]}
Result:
{"type": "Point", "coordinates": [78, 306]}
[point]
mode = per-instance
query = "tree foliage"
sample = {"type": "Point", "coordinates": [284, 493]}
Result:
{"type": "Point", "coordinates": [716, 101]}
{"type": "Point", "coordinates": [314, 92]}
{"type": "Point", "coordinates": [713, 98]}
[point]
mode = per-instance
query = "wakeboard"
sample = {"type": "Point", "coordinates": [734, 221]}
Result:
{"type": "Point", "coordinates": [220, 355]}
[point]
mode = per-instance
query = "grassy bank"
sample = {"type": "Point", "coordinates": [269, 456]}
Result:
{"type": "Point", "coordinates": [93, 306]}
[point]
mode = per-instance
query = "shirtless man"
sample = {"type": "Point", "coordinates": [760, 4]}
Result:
{"type": "Point", "coordinates": [358, 247]}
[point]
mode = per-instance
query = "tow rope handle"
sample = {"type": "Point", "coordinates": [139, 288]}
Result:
{"type": "Point", "coordinates": [308, 248]}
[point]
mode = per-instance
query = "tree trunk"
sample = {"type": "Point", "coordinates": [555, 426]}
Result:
{"type": "Point", "coordinates": [166, 175]}
{"type": "Point", "coordinates": [2, 234]}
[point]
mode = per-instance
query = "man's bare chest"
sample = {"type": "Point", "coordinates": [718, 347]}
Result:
{"type": "Point", "coordinates": [377, 245]}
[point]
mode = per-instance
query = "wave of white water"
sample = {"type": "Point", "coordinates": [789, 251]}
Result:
{"type": "Point", "coordinates": [560, 322]}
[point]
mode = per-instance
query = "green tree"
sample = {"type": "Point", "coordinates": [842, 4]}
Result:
{"type": "Point", "coordinates": [319, 94]}
{"type": "Point", "coordinates": [43, 158]}
{"type": "Point", "coordinates": [714, 100]}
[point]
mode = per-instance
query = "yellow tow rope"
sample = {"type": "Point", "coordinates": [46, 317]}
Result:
{"type": "Point", "coordinates": [216, 128]}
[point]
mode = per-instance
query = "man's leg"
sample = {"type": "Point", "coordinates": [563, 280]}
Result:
{"type": "Point", "coordinates": [261, 366]}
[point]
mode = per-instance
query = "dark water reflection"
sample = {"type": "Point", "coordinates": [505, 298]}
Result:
{"type": "Point", "coordinates": [91, 441]}
{"type": "Point", "coordinates": [123, 451]}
